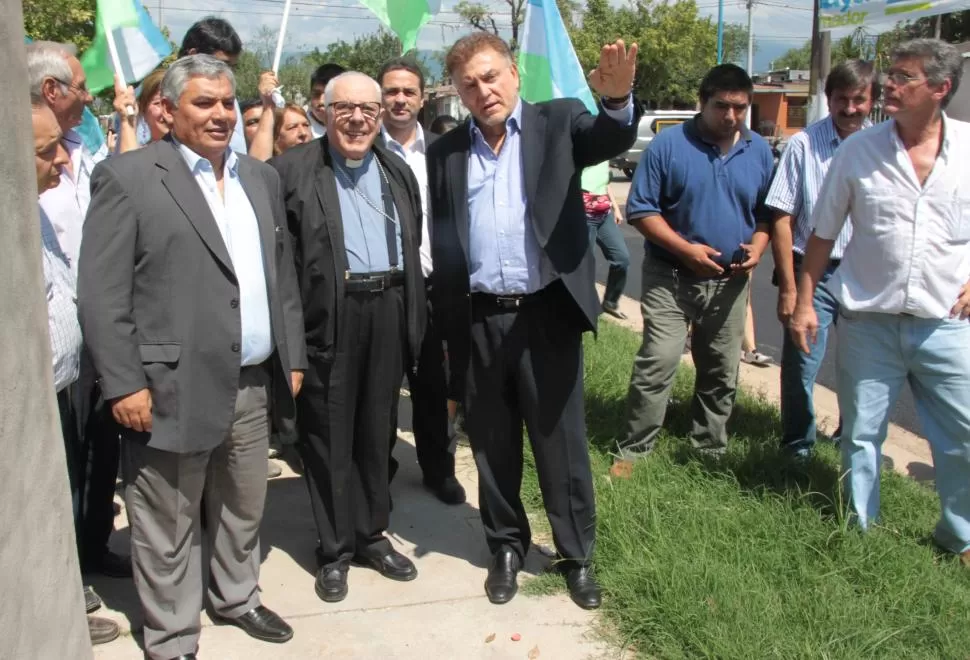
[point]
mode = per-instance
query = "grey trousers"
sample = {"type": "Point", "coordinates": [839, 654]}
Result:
{"type": "Point", "coordinates": [163, 492]}
{"type": "Point", "coordinates": [672, 300]}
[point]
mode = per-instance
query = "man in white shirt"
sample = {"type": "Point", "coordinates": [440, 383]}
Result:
{"type": "Point", "coordinates": [903, 282]}
{"type": "Point", "coordinates": [402, 94]}
{"type": "Point", "coordinates": [851, 88]}
{"type": "Point", "coordinates": [57, 80]}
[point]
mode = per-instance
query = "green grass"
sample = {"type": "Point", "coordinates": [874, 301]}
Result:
{"type": "Point", "coordinates": [749, 555]}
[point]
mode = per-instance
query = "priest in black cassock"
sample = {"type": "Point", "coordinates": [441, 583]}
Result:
{"type": "Point", "coordinates": [354, 214]}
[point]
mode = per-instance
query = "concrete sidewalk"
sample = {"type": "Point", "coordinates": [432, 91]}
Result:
{"type": "Point", "coordinates": [442, 614]}
{"type": "Point", "coordinates": [908, 453]}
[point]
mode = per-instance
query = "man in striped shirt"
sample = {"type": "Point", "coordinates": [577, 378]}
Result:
{"type": "Point", "coordinates": [851, 89]}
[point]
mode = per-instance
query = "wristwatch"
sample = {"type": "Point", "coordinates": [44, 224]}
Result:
{"type": "Point", "coordinates": [618, 101]}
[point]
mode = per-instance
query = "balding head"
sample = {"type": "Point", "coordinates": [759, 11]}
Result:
{"type": "Point", "coordinates": [353, 102]}
{"type": "Point", "coordinates": [49, 152]}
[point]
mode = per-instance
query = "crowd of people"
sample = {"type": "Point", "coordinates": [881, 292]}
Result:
{"type": "Point", "coordinates": [236, 272]}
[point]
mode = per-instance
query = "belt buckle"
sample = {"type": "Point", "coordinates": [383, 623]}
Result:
{"type": "Point", "coordinates": [379, 283]}
{"type": "Point", "coordinates": [508, 301]}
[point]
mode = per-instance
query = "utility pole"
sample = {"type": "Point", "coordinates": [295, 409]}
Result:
{"type": "Point", "coordinates": [937, 26]}
{"type": "Point", "coordinates": [750, 40]}
{"type": "Point", "coordinates": [720, 31]}
{"type": "Point", "coordinates": [821, 63]}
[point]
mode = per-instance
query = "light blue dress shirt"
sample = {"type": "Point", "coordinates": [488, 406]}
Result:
{"type": "Point", "coordinates": [65, 330]}
{"type": "Point", "coordinates": [238, 140]}
{"type": "Point", "coordinates": [365, 237]}
{"type": "Point", "coordinates": [236, 219]}
{"type": "Point", "coordinates": [503, 252]}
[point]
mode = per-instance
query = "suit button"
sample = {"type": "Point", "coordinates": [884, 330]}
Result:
{"type": "Point", "coordinates": [234, 303]}
{"type": "Point", "coordinates": [235, 347]}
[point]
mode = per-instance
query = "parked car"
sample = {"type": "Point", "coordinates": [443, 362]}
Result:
{"type": "Point", "coordinates": [651, 123]}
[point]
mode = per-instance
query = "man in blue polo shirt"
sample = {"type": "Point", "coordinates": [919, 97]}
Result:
{"type": "Point", "coordinates": [698, 198]}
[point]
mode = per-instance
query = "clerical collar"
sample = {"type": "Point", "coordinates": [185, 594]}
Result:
{"type": "Point", "coordinates": [349, 163]}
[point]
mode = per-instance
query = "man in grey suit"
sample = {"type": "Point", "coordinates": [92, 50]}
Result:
{"type": "Point", "coordinates": [189, 303]}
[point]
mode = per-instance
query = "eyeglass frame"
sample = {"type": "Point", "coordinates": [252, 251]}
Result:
{"type": "Point", "coordinates": [77, 89]}
{"type": "Point", "coordinates": [354, 106]}
{"type": "Point", "coordinates": [894, 78]}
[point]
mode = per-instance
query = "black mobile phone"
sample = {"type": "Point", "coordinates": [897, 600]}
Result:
{"type": "Point", "coordinates": [739, 257]}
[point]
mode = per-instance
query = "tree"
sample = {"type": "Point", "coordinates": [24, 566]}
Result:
{"type": "Point", "coordinates": [677, 45]}
{"type": "Point", "coordinates": [795, 58]}
{"type": "Point", "coordinates": [481, 17]}
{"type": "Point", "coordinates": [64, 21]}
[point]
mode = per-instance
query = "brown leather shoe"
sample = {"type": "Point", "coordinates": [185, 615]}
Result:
{"type": "Point", "coordinates": [965, 558]}
{"type": "Point", "coordinates": [102, 630]}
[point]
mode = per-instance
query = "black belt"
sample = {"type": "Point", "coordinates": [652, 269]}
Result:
{"type": "Point", "coordinates": [373, 282]}
{"type": "Point", "coordinates": [499, 303]}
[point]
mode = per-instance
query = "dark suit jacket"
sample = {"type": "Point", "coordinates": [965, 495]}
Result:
{"type": "Point", "coordinates": [316, 227]}
{"type": "Point", "coordinates": [159, 300]}
{"type": "Point", "coordinates": [560, 139]}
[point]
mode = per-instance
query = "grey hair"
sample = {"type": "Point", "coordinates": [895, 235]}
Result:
{"type": "Point", "coordinates": [328, 90]}
{"type": "Point", "coordinates": [941, 61]}
{"type": "Point", "coordinates": [47, 59]}
{"type": "Point", "coordinates": [193, 66]}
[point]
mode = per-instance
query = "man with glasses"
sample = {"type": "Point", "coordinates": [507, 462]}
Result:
{"type": "Point", "coordinates": [354, 213]}
{"type": "Point", "coordinates": [902, 286]}
{"type": "Point", "coordinates": [57, 80]}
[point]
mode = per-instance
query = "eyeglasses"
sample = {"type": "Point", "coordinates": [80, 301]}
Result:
{"type": "Point", "coordinates": [80, 90]}
{"type": "Point", "coordinates": [345, 109]}
{"type": "Point", "coordinates": [899, 79]}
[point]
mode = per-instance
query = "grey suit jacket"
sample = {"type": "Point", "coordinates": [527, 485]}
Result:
{"type": "Point", "coordinates": [159, 300]}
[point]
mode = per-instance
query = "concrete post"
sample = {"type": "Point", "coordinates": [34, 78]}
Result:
{"type": "Point", "coordinates": [42, 607]}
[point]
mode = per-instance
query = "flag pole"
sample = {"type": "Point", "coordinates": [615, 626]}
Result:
{"type": "Point", "coordinates": [109, 37]}
{"type": "Point", "coordinates": [282, 37]}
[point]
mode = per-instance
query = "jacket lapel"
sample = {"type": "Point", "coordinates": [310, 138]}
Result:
{"type": "Point", "coordinates": [325, 185]}
{"type": "Point", "coordinates": [187, 194]}
{"type": "Point", "coordinates": [533, 151]}
{"type": "Point", "coordinates": [457, 172]}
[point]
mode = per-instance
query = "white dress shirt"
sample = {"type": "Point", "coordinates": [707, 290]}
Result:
{"type": "Point", "coordinates": [239, 227]}
{"type": "Point", "coordinates": [317, 129]}
{"type": "Point", "coordinates": [62, 321]}
{"type": "Point", "coordinates": [414, 155]}
{"type": "Point", "coordinates": [67, 204]}
{"type": "Point", "coordinates": [910, 246]}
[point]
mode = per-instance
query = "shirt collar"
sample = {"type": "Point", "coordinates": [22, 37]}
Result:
{"type": "Point", "coordinates": [512, 125]}
{"type": "Point", "coordinates": [73, 137]}
{"type": "Point", "coordinates": [944, 146]}
{"type": "Point", "coordinates": [196, 161]}
{"type": "Point", "coordinates": [831, 133]}
{"type": "Point", "coordinates": [418, 144]}
{"type": "Point", "coordinates": [691, 127]}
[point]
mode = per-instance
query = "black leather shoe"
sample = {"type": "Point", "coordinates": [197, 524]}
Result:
{"type": "Point", "coordinates": [92, 601]}
{"type": "Point", "coordinates": [501, 584]}
{"type": "Point", "coordinates": [110, 564]}
{"type": "Point", "coordinates": [331, 583]}
{"type": "Point", "coordinates": [448, 490]}
{"type": "Point", "coordinates": [393, 565]}
{"type": "Point", "coordinates": [187, 656]}
{"type": "Point", "coordinates": [583, 588]}
{"type": "Point", "coordinates": [262, 623]}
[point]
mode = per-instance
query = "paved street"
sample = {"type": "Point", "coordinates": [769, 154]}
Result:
{"type": "Point", "coordinates": [763, 300]}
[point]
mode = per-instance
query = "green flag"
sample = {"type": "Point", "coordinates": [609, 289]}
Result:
{"type": "Point", "coordinates": [404, 17]}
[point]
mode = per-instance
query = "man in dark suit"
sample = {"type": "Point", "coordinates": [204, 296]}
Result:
{"type": "Point", "coordinates": [514, 292]}
{"type": "Point", "coordinates": [189, 303]}
{"type": "Point", "coordinates": [354, 212]}
{"type": "Point", "coordinates": [402, 91]}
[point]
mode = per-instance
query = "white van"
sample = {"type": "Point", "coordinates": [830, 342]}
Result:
{"type": "Point", "coordinates": [651, 123]}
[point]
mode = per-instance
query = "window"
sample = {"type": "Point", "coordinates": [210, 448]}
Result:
{"type": "Point", "coordinates": [797, 115]}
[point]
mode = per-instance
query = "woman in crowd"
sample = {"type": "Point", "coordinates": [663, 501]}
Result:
{"type": "Point", "coordinates": [147, 122]}
{"type": "Point", "coordinates": [292, 127]}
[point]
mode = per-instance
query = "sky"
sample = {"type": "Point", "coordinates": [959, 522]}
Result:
{"type": "Point", "coordinates": [777, 24]}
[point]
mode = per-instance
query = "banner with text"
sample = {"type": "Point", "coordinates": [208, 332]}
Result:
{"type": "Point", "coordinates": [842, 17]}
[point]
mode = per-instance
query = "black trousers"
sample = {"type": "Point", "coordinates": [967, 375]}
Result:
{"type": "Point", "coordinates": [101, 452]}
{"type": "Point", "coordinates": [67, 409]}
{"type": "Point", "coordinates": [527, 365]}
{"type": "Point", "coordinates": [429, 412]}
{"type": "Point", "coordinates": [344, 411]}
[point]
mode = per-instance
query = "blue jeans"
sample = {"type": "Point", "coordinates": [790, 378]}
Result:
{"type": "Point", "coordinates": [608, 236]}
{"type": "Point", "coordinates": [798, 373]}
{"type": "Point", "coordinates": [877, 353]}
